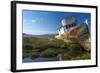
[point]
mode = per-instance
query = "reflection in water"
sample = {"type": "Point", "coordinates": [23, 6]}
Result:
{"type": "Point", "coordinates": [39, 59]}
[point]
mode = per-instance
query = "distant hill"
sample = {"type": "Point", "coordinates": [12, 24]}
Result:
{"type": "Point", "coordinates": [39, 36]}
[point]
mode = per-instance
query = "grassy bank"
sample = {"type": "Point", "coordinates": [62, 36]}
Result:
{"type": "Point", "coordinates": [70, 50]}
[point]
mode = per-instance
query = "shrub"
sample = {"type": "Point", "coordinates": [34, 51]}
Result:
{"type": "Point", "coordinates": [27, 47]}
{"type": "Point", "coordinates": [75, 49]}
{"type": "Point", "coordinates": [50, 52]}
{"type": "Point", "coordinates": [34, 55]}
{"type": "Point", "coordinates": [83, 56]}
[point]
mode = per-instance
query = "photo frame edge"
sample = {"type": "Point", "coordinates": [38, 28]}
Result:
{"type": "Point", "coordinates": [13, 36]}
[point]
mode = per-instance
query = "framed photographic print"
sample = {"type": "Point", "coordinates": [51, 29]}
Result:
{"type": "Point", "coordinates": [47, 36]}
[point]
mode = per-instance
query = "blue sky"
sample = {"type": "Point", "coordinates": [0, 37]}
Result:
{"type": "Point", "coordinates": [48, 22]}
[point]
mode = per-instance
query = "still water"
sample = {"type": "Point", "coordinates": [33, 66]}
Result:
{"type": "Point", "coordinates": [39, 59]}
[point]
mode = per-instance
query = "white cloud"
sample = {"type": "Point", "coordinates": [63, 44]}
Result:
{"type": "Point", "coordinates": [34, 20]}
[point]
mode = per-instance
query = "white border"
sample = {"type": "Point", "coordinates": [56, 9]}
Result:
{"type": "Point", "coordinates": [37, 65]}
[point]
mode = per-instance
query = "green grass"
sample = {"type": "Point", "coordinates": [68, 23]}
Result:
{"type": "Point", "coordinates": [50, 52]}
{"type": "Point", "coordinates": [33, 47]}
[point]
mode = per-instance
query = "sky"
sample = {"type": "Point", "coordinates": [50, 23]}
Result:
{"type": "Point", "coordinates": [48, 22]}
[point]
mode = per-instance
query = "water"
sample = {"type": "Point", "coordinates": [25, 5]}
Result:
{"type": "Point", "coordinates": [39, 59]}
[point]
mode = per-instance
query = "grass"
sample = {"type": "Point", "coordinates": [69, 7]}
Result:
{"type": "Point", "coordinates": [34, 47]}
{"type": "Point", "coordinates": [50, 52]}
